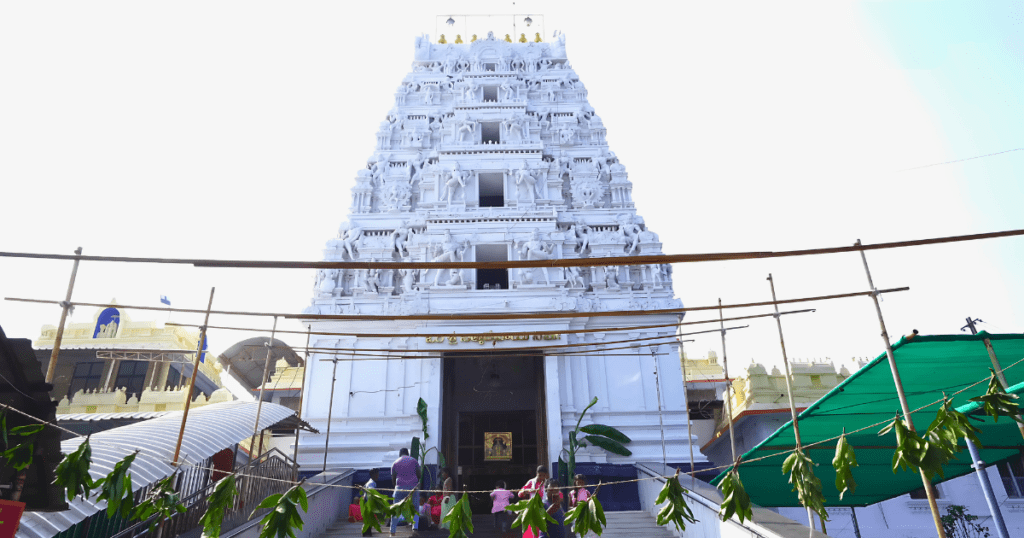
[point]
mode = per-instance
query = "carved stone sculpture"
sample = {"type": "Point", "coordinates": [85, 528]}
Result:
{"type": "Point", "coordinates": [408, 279]}
{"type": "Point", "coordinates": [448, 251]}
{"type": "Point", "coordinates": [401, 238]}
{"type": "Point", "coordinates": [350, 236]}
{"type": "Point", "coordinates": [573, 278]}
{"type": "Point", "coordinates": [526, 183]}
{"type": "Point", "coordinates": [535, 249]}
{"type": "Point", "coordinates": [456, 179]}
{"type": "Point", "coordinates": [630, 232]}
{"type": "Point", "coordinates": [465, 130]}
{"type": "Point", "coordinates": [611, 277]}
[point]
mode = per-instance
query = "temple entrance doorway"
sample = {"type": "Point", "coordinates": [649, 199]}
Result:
{"type": "Point", "coordinates": [493, 421]}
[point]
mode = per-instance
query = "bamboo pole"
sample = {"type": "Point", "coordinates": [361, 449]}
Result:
{"type": "Point", "coordinates": [929, 489]}
{"type": "Point", "coordinates": [686, 404]}
{"type": "Point", "coordinates": [302, 394]}
{"type": "Point", "coordinates": [997, 368]}
{"type": "Point", "coordinates": [330, 411]}
{"type": "Point", "coordinates": [561, 262]}
{"type": "Point", "coordinates": [728, 384]}
{"type": "Point", "coordinates": [789, 389]}
{"type": "Point", "coordinates": [192, 379]}
{"type": "Point", "coordinates": [65, 306]}
{"type": "Point", "coordinates": [263, 387]}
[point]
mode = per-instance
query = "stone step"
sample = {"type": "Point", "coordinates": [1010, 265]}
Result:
{"type": "Point", "coordinates": [620, 525]}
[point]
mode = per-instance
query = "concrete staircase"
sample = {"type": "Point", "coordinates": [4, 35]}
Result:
{"type": "Point", "coordinates": [620, 525]}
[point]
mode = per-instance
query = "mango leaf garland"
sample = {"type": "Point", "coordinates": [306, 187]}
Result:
{"type": "Point", "coordinates": [460, 519]}
{"type": "Point", "coordinates": [283, 518]}
{"type": "Point", "coordinates": [997, 402]}
{"type": "Point", "coordinates": [374, 507]}
{"type": "Point", "coordinates": [218, 502]}
{"type": "Point", "coordinates": [736, 499]}
{"type": "Point", "coordinates": [116, 488]}
{"type": "Point", "coordinates": [844, 462]}
{"type": "Point", "coordinates": [73, 472]}
{"type": "Point", "coordinates": [587, 516]}
{"type": "Point", "coordinates": [404, 508]}
{"type": "Point", "coordinates": [162, 501]}
{"type": "Point", "coordinates": [928, 454]}
{"type": "Point", "coordinates": [531, 513]}
{"type": "Point", "coordinates": [806, 485]}
{"type": "Point", "coordinates": [951, 425]}
{"type": "Point", "coordinates": [675, 510]}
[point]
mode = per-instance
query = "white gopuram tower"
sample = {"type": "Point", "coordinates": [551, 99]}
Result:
{"type": "Point", "coordinates": [492, 153]}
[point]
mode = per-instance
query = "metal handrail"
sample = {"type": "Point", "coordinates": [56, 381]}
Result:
{"type": "Point", "coordinates": [193, 501]}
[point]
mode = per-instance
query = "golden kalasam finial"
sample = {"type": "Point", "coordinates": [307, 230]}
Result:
{"type": "Point", "coordinates": [458, 38]}
{"type": "Point", "coordinates": [442, 40]}
{"type": "Point", "coordinates": [507, 38]}
{"type": "Point", "coordinates": [537, 39]}
{"type": "Point", "coordinates": [522, 38]}
{"type": "Point", "coordinates": [473, 39]}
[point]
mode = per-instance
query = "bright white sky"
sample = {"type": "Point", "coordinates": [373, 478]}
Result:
{"type": "Point", "coordinates": [235, 129]}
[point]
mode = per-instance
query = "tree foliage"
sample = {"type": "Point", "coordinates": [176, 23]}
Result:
{"type": "Point", "coordinates": [675, 510]}
{"type": "Point", "coordinates": [217, 503]}
{"type": "Point", "coordinates": [20, 455]}
{"type": "Point", "coordinates": [806, 485]}
{"type": "Point", "coordinates": [284, 518]}
{"type": "Point", "coordinates": [959, 524]}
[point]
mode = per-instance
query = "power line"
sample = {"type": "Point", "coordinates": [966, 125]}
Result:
{"type": "Point", "coordinates": [961, 160]}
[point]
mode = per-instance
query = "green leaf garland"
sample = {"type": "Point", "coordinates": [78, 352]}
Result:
{"type": "Point", "coordinates": [736, 501]}
{"type": "Point", "coordinates": [844, 462]}
{"type": "Point", "coordinates": [675, 510]}
{"type": "Point", "coordinates": [806, 485]}
{"type": "Point", "coordinates": [218, 502]}
{"type": "Point", "coordinates": [997, 402]}
{"type": "Point", "coordinates": [116, 488]}
{"type": "Point", "coordinates": [284, 517]}
{"type": "Point", "coordinates": [73, 472]}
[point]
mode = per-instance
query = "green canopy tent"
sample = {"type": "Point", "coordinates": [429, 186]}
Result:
{"type": "Point", "coordinates": [929, 366]}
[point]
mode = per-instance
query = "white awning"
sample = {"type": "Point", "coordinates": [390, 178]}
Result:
{"type": "Point", "coordinates": [210, 429]}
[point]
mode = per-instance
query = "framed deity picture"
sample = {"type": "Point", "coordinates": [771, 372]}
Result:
{"type": "Point", "coordinates": [498, 446]}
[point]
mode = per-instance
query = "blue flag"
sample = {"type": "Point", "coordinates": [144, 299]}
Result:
{"type": "Point", "coordinates": [165, 300]}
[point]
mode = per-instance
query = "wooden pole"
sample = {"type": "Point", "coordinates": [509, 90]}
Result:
{"type": "Point", "coordinates": [996, 367]}
{"type": "Point", "coordinates": [263, 387]}
{"type": "Point", "coordinates": [789, 390]}
{"type": "Point", "coordinates": [330, 410]}
{"type": "Point", "coordinates": [661, 419]}
{"type": "Point", "coordinates": [929, 489]}
{"type": "Point", "coordinates": [192, 379]}
{"type": "Point", "coordinates": [65, 306]}
{"type": "Point", "coordinates": [686, 407]}
{"type": "Point", "coordinates": [302, 390]}
{"type": "Point", "coordinates": [728, 384]}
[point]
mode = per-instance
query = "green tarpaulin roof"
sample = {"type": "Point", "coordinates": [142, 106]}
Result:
{"type": "Point", "coordinates": [928, 366]}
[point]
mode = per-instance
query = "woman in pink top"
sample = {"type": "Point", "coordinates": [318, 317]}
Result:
{"type": "Point", "coordinates": [502, 498]}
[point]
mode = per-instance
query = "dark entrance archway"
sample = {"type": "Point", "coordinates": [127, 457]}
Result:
{"type": "Point", "coordinates": [492, 393]}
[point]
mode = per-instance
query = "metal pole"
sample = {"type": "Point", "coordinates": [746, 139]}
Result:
{"type": "Point", "coordinates": [986, 487]}
{"type": "Point", "coordinates": [263, 387]}
{"type": "Point", "coordinates": [330, 410]}
{"type": "Point", "coordinates": [996, 367]}
{"type": "Point", "coordinates": [661, 420]}
{"type": "Point", "coordinates": [302, 390]}
{"type": "Point", "coordinates": [192, 379]}
{"type": "Point", "coordinates": [928, 488]}
{"type": "Point", "coordinates": [728, 384]}
{"type": "Point", "coordinates": [789, 388]}
{"type": "Point", "coordinates": [686, 403]}
{"type": "Point", "coordinates": [65, 306]}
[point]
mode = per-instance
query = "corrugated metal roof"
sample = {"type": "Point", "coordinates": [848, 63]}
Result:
{"type": "Point", "coordinates": [210, 429]}
{"type": "Point", "coordinates": [136, 415]}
